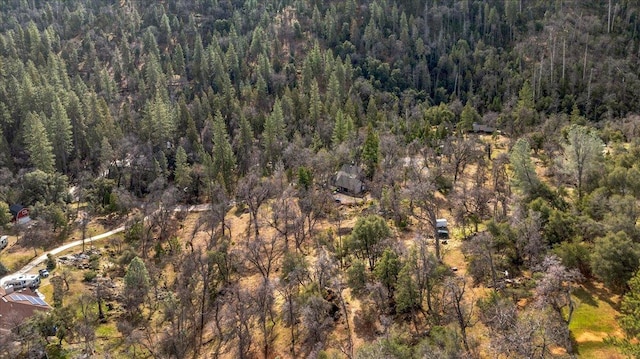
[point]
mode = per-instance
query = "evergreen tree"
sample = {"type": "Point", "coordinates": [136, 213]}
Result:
{"type": "Point", "coordinates": [407, 296]}
{"type": "Point", "coordinates": [158, 125]}
{"type": "Point", "coordinates": [244, 144]}
{"type": "Point", "coordinates": [630, 320]}
{"type": "Point", "coordinates": [37, 144]}
{"type": "Point", "coordinates": [199, 63]}
{"type": "Point", "coordinates": [178, 60]}
{"type": "Point", "coordinates": [367, 237]}
{"type": "Point", "coordinates": [182, 171]}
{"type": "Point", "coordinates": [468, 117]}
{"type": "Point", "coordinates": [371, 152]}
{"type": "Point", "coordinates": [316, 109]}
{"type": "Point", "coordinates": [339, 130]}
{"type": "Point", "coordinates": [524, 172]}
{"type": "Point", "coordinates": [387, 270]}
{"type": "Point", "coordinates": [224, 160]}
{"type": "Point", "coordinates": [60, 133]}
{"type": "Point", "coordinates": [136, 284]}
{"type": "Point", "coordinates": [525, 113]}
{"type": "Point", "coordinates": [273, 134]}
{"type": "Point", "coordinates": [614, 259]}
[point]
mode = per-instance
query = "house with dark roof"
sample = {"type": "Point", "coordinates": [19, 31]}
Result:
{"type": "Point", "coordinates": [349, 180]}
{"type": "Point", "coordinates": [17, 306]}
{"type": "Point", "coordinates": [479, 128]}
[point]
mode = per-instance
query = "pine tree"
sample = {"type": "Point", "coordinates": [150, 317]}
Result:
{"type": "Point", "coordinates": [224, 160]}
{"type": "Point", "coordinates": [407, 296]}
{"type": "Point", "coordinates": [37, 144]}
{"type": "Point", "coordinates": [273, 134]}
{"type": "Point", "coordinates": [468, 117]}
{"type": "Point", "coordinates": [339, 130]}
{"type": "Point", "coordinates": [315, 104]}
{"type": "Point", "coordinates": [150, 44]}
{"type": "Point", "coordinates": [387, 269]}
{"type": "Point", "coordinates": [334, 90]}
{"type": "Point", "coordinates": [178, 60]}
{"type": "Point", "coordinates": [107, 155]}
{"type": "Point", "coordinates": [244, 144]}
{"type": "Point", "coordinates": [199, 64]}
{"type": "Point", "coordinates": [159, 123]}
{"type": "Point", "coordinates": [372, 111]}
{"type": "Point", "coordinates": [182, 171]}
{"type": "Point", "coordinates": [165, 30]}
{"type": "Point", "coordinates": [136, 284]}
{"type": "Point", "coordinates": [371, 152]}
{"type": "Point", "coordinates": [60, 134]}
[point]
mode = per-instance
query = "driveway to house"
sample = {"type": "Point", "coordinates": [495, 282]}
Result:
{"type": "Point", "coordinates": [39, 260]}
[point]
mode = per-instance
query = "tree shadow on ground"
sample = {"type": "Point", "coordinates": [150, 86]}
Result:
{"type": "Point", "coordinates": [600, 292]}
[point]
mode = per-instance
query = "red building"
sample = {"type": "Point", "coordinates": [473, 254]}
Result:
{"type": "Point", "coordinates": [20, 213]}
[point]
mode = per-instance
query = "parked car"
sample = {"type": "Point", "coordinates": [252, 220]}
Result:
{"type": "Point", "coordinates": [4, 241]}
{"type": "Point", "coordinates": [43, 273]}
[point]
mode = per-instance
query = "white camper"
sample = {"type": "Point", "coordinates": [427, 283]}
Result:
{"type": "Point", "coordinates": [23, 281]}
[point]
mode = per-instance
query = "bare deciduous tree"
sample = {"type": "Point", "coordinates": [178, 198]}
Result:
{"type": "Point", "coordinates": [263, 305]}
{"type": "Point", "coordinates": [423, 194]}
{"type": "Point", "coordinates": [284, 211]}
{"type": "Point", "coordinates": [480, 250]}
{"type": "Point", "coordinates": [459, 307]}
{"type": "Point", "coordinates": [263, 253]}
{"type": "Point", "coordinates": [556, 285]}
{"type": "Point", "coordinates": [460, 152]}
{"type": "Point", "coordinates": [254, 191]}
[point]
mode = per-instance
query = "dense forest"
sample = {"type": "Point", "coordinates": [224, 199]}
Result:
{"type": "Point", "coordinates": [124, 110]}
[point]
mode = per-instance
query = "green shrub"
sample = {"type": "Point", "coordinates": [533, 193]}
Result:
{"type": "Point", "coordinates": [51, 262]}
{"type": "Point", "coordinates": [89, 276]}
{"type": "Point", "coordinates": [94, 261]}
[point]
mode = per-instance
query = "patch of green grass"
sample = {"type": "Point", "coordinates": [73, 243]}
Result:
{"type": "Point", "coordinates": [107, 330]}
{"type": "Point", "coordinates": [592, 314]}
{"type": "Point", "coordinates": [593, 319]}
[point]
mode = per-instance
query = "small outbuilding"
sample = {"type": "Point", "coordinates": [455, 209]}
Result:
{"type": "Point", "coordinates": [20, 213]}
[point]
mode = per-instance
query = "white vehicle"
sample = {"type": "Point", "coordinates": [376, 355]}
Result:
{"type": "Point", "coordinates": [4, 241]}
{"type": "Point", "coordinates": [23, 281]}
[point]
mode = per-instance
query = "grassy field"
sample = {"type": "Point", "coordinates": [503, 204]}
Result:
{"type": "Point", "coordinates": [594, 320]}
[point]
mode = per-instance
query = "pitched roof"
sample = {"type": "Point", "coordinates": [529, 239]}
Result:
{"type": "Point", "coordinates": [349, 182]}
{"type": "Point", "coordinates": [483, 128]}
{"type": "Point", "coordinates": [15, 208]}
{"type": "Point", "coordinates": [16, 307]}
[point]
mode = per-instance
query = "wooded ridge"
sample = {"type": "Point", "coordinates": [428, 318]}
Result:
{"type": "Point", "coordinates": [329, 139]}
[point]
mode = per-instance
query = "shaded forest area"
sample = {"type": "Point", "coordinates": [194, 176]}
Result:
{"type": "Point", "coordinates": [252, 106]}
{"type": "Point", "coordinates": [141, 79]}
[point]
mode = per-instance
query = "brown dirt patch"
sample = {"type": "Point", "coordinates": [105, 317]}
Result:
{"type": "Point", "coordinates": [591, 337]}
